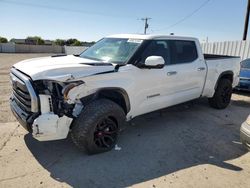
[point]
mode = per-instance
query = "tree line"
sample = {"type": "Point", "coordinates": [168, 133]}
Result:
{"type": "Point", "coordinates": [72, 42]}
{"type": "Point", "coordinates": [3, 40]}
{"type": "Point", "coordinates": [61, 42]}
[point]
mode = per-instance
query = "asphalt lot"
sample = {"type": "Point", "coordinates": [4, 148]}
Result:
{"type": "Point", "coordinates": [189, 145]}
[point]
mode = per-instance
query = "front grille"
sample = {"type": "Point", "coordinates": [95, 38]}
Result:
{"type": "Point", "coordinates": [23, 92]}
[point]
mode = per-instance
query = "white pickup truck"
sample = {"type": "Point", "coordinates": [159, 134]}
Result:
{"type": "Point", "coordinates": [93, 94]}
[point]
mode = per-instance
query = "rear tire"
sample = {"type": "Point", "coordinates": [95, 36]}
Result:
{"type": "Point", "coordinates": [222, 95]}
{"type": "Point", "coordinates": [96, 128]}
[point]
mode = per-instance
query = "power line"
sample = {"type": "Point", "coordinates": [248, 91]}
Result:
{"type": "Point", "coordinates": [60, 8]}
{"type": "Point", "coordinates": [186, 17]}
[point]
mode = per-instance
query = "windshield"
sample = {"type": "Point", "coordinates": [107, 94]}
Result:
{"type": "Point", "coordinates": [245, 64]}
{"type": "Point", "coordinates": [112, 50]}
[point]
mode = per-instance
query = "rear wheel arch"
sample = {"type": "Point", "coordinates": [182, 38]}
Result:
{"type": "Point", "coordinates": [225, 75]}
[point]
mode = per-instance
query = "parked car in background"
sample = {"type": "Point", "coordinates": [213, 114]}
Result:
{"type": "Point", "coordinates": [244, 83]}
{"type": "Point", "coordinates": [245, 133]}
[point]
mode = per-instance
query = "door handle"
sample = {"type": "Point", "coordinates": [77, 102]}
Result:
{"type": "Point", "coordinates": [201, 69]}
{"type": "Point", "coordinates": [171, 73]}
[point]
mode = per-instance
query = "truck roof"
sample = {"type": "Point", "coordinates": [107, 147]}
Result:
{"type": "Point", "coordinates": [148, 37]}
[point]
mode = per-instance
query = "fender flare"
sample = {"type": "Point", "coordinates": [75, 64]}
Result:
{"type": "Point", "coordinates": [119, 90]}
{"type": "Point", "coordinates": [222, 75]}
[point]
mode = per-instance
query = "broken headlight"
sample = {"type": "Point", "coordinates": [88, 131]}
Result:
{"type": "Point", "coordinates": [68, 87]}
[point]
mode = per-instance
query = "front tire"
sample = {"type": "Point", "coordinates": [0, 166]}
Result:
{"type": "Point", "coordinates": [222, 95]}
{"type": "Point", "coordinates": [96, 128]}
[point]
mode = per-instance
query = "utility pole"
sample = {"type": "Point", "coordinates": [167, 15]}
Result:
{"type": "Point", "coordinates": [246, 21]}
{"type": "Point", "coordinates": [146, 24]}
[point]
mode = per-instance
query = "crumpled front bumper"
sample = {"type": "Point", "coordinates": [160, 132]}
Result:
{"type": "Point", "coordinates": [51, 127]}
{"type": "Point", "coordinates": [44, 125]}
{"type": "Point", "coordinates": [25, 119]}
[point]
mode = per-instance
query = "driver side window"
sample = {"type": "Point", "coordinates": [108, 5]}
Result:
{"type": "Point", "coordinates": [157, 48]}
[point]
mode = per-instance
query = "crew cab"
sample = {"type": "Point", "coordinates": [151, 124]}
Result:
{"type": "Point", "coordinates": [93, 94]}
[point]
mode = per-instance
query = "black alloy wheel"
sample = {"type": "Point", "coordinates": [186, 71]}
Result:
{"type": "Point", "coordinates": [105, 135]}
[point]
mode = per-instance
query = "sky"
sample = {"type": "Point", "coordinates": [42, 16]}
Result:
{"type": "Point", "coordinates": [217, 20]}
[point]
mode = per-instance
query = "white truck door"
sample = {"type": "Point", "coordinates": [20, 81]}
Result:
{"type": "Point", "coordinates": [151, 83]}
{"type": "Point", "coordinates": [185, 72]}
{"type": "Point", "coordinates": [181, 79]}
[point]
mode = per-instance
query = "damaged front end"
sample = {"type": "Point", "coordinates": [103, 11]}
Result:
{"type": "Point", "coordinates": [56, 110]}
{"type": "Point", "coordinates": [47, 107]}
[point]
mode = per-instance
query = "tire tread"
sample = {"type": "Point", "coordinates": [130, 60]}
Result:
{"type": "Point", "coordinates": [215, 101]}
{"type": "Point", "coordinates": [83, 125]}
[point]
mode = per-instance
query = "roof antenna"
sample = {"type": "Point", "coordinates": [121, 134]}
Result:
{"type": "Point", "coordinates": [171, 33]}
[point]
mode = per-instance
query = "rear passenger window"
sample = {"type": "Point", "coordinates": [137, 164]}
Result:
{"type": "Point", "coordinates": [182, 51]}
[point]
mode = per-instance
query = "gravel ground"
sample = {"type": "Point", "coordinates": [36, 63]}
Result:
{"type": "Point", "coordinates": [189, 145]}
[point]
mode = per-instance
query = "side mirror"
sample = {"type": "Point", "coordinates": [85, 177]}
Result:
{"type": "Point", "coordinates": [154, 62]}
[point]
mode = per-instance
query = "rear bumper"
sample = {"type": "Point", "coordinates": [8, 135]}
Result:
{"type": "Point", "coordinates": [245, 134]}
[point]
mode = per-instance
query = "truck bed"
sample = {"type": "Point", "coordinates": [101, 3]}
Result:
{"type": "Point", "coordinates": [217, 64]}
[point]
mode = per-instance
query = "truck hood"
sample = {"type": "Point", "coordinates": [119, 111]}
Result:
{"type": "Point", "coordinates": [245, 73]}
{"type": "Point", "coordinates": [61, 68]}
